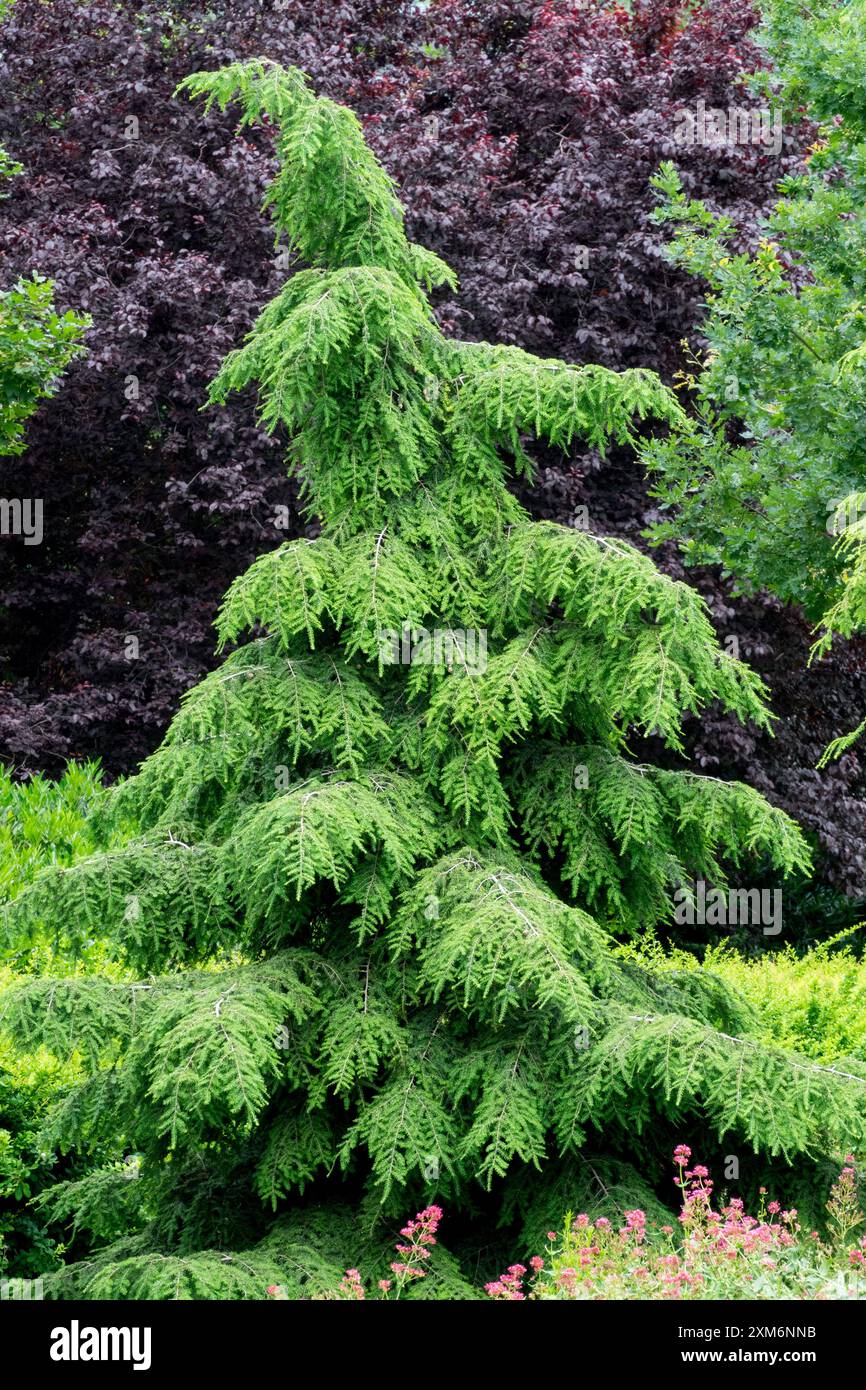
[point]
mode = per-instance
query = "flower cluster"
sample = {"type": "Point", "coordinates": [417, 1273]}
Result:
{"type": "Point", "coordinates": [508, 1287]}
{"type": "Point", "coordinates": [712, 1252]}
{"type": "Point", "coordinates": [843, 1209]}
{"type": "Point", "coordinates": [716, 1251]}
{"type": "Point", "coordinates": [417, 1238]}
{"type": "Point", "coordinates": [351, 1287]}
{"type": "Point", "coordinates": [420, 1235]}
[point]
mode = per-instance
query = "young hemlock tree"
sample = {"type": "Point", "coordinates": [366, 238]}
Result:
{"type": "Point", "coordinates": [768, 477]}
{"type": "Point", "coordinates": [373, 902]}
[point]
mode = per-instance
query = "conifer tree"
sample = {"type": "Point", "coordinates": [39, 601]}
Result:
{"type": "Point", "coordinates": [370, 910]}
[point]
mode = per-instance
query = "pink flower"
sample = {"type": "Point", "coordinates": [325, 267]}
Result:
{"type": "Point", "coordinates": [508, 1285]}
{"type": "Point", "coordinates": [352, 1286]}
{"type": "Point", "coordinates": [682, 1153]}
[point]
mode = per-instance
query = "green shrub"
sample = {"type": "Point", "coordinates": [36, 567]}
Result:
{"type": "Point", "coordinates": [42, 824]}
{"type": "Point", "coordinates": [29, 1085]}
{"type": "Point", "coordinates": [813, 1004]}
{"type": "Point", "coordinates": [767, 477]}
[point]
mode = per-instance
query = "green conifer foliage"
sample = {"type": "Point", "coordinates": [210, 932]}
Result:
{"type": "Point", "coordinates": [373, 903]}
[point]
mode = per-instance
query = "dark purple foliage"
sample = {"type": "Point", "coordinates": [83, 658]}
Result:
{"type": "Point", "coordinates": [151, 506]}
